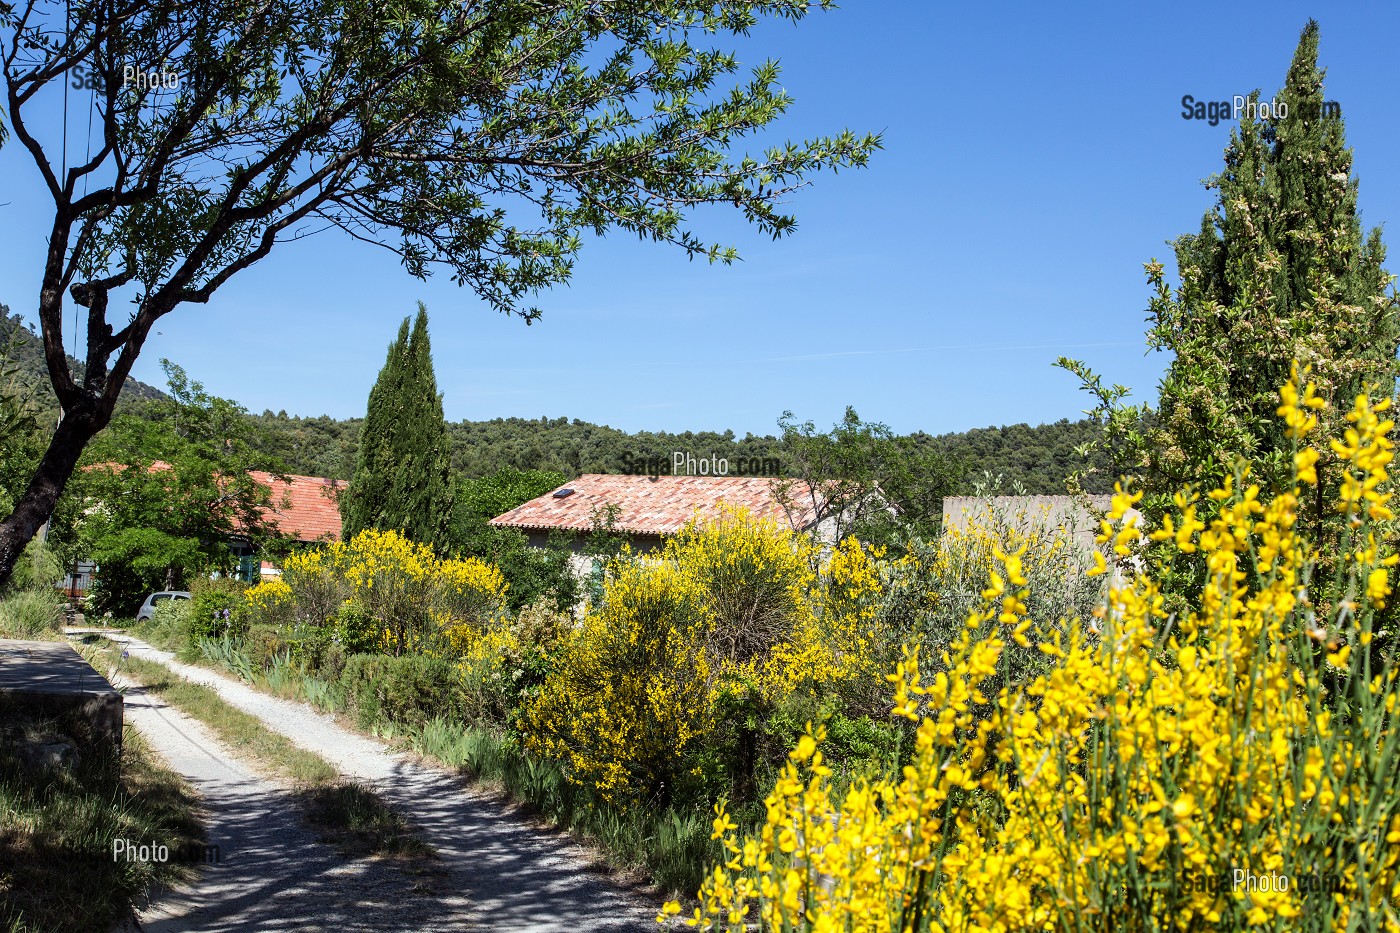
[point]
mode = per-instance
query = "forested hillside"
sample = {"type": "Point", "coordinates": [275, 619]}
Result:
{"type": "Point", "coordinates": [25, 350]}
{"type": "Point", "coordinates": [1037, 458]}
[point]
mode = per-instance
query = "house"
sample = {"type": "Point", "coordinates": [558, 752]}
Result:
{"type": "Point", "coordinates": [305, 508]}
{"type": "Point", "coordinates": [652, 508]}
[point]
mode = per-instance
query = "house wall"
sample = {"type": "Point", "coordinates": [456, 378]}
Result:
{"type": "Point", "coordinates": [1026, 512]}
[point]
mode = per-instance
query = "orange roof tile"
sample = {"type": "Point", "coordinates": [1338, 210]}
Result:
{"type": "Point", "coordinates": [305, 507]}
{"type": "Point", "coordinates": [655, 506]}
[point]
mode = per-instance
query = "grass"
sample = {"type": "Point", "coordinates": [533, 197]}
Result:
{"type": "Point", "coordinates": [349, 815]}
{"type": "Point", "coordinates": [359, 823]}
{"type": "Point", "coordinates": [57, 871]}
{"type": "Point", "coordinates": [34, 614]}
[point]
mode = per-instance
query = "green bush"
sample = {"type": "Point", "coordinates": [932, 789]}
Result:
{"type": "Point", "coordinates": [507, 667]}
{"type": "Point", "coordinates": [217, 609]}
{"type": "Point", "coordinates": [331, 664]}
{"type": "Point", "coordinates": [31, 613]}
{"type": "Point", "coordinates": [356, 630]}
{"type": "Point", "coordinates": [406, 690]}
{"type": "Point", "coordinates": [37, 567]}
{"type": "Point", "coordinates": [263, 644]}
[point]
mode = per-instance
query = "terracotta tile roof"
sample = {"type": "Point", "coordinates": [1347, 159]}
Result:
{"type": "Point", "coordinates": [304, 508]}
{"type": "Point", "coordinates": [659, 506]}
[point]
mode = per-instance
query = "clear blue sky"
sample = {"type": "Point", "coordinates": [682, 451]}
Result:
{"type": "Point", "coordinates": [1035, 157]}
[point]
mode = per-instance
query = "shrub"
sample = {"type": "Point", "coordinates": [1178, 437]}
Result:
{"type": "Point", "coordinates": [217, 609]}
{"type": "Point", "coordinates": [406, 690]}
{"type": "Point", "coordinates": [379, 592]}
{"type": "Point", "coordinates": [504, 667]}
{"type": "Point", "coordinates": [927, 596]}
{"type": "Point", "coordinates": [38, 567]}
{"type": "Point", "coordinates": [628, 705]}
{"type": "Point", "coordinates": [681, 683]}
{"type": "Point", "coordinates": [169, 626]}
{"type": "Point", "coordinates": [263, 644]}
{"type": "Point", "coordinates": [1160, 762]}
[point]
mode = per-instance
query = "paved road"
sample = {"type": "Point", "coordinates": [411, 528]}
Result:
{"type": "Point", "coordinates": [515, 877]}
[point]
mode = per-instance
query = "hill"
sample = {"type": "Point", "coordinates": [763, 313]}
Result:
{"type": "Point", "coordinates": [25, 349]}
{"type": "Point", "coordinates": [1036, 458]}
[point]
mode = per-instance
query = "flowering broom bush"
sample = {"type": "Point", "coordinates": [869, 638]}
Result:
{"type": "Point", "coordinates": [673, 687]}
{"type": "Point", "coordinates": [1235, 767]}
{"type": "Point", "coordinates": [927, 594]}
{"type": "Point", "coordinates": [382, 592]}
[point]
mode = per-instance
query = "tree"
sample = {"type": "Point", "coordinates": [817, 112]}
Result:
{"type": "Point", "coordinates": [533, 573]}
{"type": "Point", "coordinates": [21, 440]}
{"type": "Point", "coordinates": [403, 474]}
{"type": "Point", "coordinates": [162, 493]}
{"type": "Point", "coordinates": [1280, 271]}
{"type": "Point", "coordinates": [480, 137]}
{"type": "Point", "coordinates": [860, 478]}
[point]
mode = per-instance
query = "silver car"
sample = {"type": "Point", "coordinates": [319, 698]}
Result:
{"type": "Point", "coordinates": [148, 608]}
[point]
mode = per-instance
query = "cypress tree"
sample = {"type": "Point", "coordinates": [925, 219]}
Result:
{"type": "Point", "coordinates": [1281, 270]}
{"type": "Point", "coordinates": [402, 479]}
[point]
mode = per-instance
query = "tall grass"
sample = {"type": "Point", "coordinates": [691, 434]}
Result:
{"type": "Point", "coordinates": [32, 614]}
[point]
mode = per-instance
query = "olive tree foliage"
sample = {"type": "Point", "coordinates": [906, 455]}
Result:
{"type": "Point", "coordinates": [484, 137]}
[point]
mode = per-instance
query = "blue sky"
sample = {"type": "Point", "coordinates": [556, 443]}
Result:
{"type": "Point", "coordinates": [1035, 157]}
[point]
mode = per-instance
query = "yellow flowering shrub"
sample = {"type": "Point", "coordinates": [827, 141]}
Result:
{"type": "Point", "coordinates": [928, 593]}
{"type": "Point", "coordinates": [1233, 767]}
{"type": "Point", "coordinates": [629, 697]}
{"type": "Point", "coordinates": [384, 592]}
{"type": "Point", "coordinates": [678, 682]}
{"type": "Point", "coordinates": [268, 596]}
{"type": "Point", "coordinates": [504, 665]}
{"type": "Point", "coordinates": [835, 643]}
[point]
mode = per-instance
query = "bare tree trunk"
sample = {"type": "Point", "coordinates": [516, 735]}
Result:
{"type": "Point", "coordinates": [38, 501]}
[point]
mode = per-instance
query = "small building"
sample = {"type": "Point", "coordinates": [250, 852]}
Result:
{"type": "Point", "coordinates": [305, 508]}
{"type": "Point", "coordinates": [652, 508]}
{"type": "Point", "coordinates": [1079, 520]}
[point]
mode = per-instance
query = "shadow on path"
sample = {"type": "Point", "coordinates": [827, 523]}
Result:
{"type": "Point", "coordinates": [516, 877]}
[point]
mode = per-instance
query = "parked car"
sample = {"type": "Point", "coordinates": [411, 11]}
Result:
{"type": "Point", "coordinates": [148, 608]}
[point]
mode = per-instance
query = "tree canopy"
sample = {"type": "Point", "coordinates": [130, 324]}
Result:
{"type": "Point", "coordinates": [162, 493]}
{"type": "Point", "coordinates": [1280, 271]}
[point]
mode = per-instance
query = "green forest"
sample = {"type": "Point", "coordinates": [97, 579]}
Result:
{"type": "Point", "coordinates": [1033, 459]}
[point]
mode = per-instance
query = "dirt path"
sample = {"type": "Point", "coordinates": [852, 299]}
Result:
{"type": "Point", "coordinates": [272, 872]}
{"type": "Point", "coordinates": [516, 877]}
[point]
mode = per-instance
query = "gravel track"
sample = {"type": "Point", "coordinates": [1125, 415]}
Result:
{"type": "Point", "coordinates": [272, 872]}
{"type": "Point", "coordinates": [517, 877]}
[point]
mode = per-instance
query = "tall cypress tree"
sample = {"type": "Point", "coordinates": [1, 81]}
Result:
{"type": "Point", "coordinates": [402, 479]}
{"type": "Point", "coordinates": [1281, 270]}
